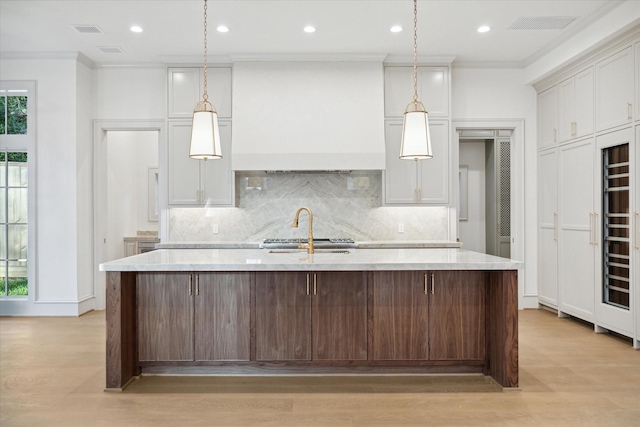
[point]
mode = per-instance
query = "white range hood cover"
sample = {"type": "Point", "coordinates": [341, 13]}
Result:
{"type": "Point", "coordinates": [308, 116]}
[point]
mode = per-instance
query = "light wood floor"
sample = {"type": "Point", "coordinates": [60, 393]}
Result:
{"type": "Point", "coordinates": [52, 373]}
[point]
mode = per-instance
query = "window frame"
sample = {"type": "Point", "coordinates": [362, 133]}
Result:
{"type": "Point", "coordinates": [25, 143]}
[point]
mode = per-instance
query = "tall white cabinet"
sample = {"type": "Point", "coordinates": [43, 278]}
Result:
{"type": "Point", "coordinates": [428, 181]}
{"type": "Point", "coordinates": [589, 192]}
{"type": "Point", "coordinates": [576, 250]}
{"type": "Point", "coordinates": [548, 227]}
{"type": "Point", "coordinates": [198, 182]}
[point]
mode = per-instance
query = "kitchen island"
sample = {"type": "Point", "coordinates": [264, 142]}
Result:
{"type": "Point", "coordinates": [204, 311]}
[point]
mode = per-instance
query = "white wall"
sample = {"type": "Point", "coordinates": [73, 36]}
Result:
{"type": "Point", "coordinates": [472, 232]}
{"type": "Point", "coordinates": [500, 93]}
{"type": "Point", "coordinates": [56, 183]}
{"type": "Point", "coordinates": [129, 155]}
{"type": "Point", "coordinates": [84, 187]}
{"type": "Point", "coordinates": [130, 93]}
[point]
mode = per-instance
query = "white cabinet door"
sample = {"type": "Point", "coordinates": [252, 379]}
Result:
{"type": "Point", "coordinates": [184, 172]}
{"type": "Point", "coordinates": [636, 106]}
{"type": "Point", "coordinates": [217, 176]}
{"type": "Point", "coordinates": [614, 90]}
{"type": "Point", "coordinates": [198, 182]}
{"type": "Point", "coordinates": [584, 102]}
{"type": "Point", "coordinates": [575, 98]}
{"type": "Point", "coordinates": [636, 225]}
{"type": "Point", "coordinates": [566, 109]}
{"type": "Point", "coordinates": [548, 117]}
{"type": "Point", "coordinates": [425, 182]}
{"type": "Point", "coordinates": [186, 85]}
{"type": "Point", "coordinates": [610, 316]}
{"type": "Point", "coordinates": [219, 89]}
{"type": "Point", "coordinates": [433, 90]}
{"type": "Point", "coordinates": [183, 92]}
{"type": "Point", "coordinates": [576, 249]}
{"type": "Point", "coordinates": [547, 227]}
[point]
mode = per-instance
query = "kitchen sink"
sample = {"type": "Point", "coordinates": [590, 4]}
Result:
{"type": "Point", "coordinates": [304, 251]}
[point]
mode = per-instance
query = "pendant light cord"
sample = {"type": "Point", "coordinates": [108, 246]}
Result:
{"type": "Point", "coordinates": [205, 96]}
{"type": "Point", "coordinates": [415, 51]}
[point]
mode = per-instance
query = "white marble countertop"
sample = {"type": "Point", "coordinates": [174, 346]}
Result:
{"type": "Point", "coordinates": [376, 244]}
{"type": "Point", "coordinates": [265, 260]}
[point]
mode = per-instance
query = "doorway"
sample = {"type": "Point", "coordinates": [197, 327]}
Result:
{"type": "Point", "coordinates": [484, 202]}
{"type": "Point", "coordinates": [125, 156]}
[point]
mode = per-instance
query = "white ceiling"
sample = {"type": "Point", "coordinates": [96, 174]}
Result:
{"type": "Point", "coordinates": [173, 29]}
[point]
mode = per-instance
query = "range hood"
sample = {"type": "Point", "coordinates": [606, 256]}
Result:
{"type": "Point", "coordinates": [308, 115]}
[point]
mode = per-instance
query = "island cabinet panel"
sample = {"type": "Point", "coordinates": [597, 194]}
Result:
{"type": "Point", "coordinates": [400, 315]}
{"type": "Point", "coordinates": [283, 316]}
{"type": "Point", "coordinates": [222, 314]}
{"type": "Point", "coordinates": [456, 315]}
{"type": "Point", "coordinates": [165, 317]}
{"type": "Point", "coordinates": [339, 316]}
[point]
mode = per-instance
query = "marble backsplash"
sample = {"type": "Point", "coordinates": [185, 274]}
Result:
{"type": "Point", "coordinates": [343, 205]}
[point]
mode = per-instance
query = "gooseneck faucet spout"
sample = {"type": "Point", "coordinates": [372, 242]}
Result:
{"type": "Point", "coordinates": [309, 245]}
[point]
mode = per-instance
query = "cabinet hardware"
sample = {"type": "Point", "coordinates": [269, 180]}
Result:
{"type": "Point", "coordinates": [629, 111]}
{"type": "Point", "coordinates": [555, 226]}
{"type": "Point", "coordinates": [595, 229]}
{"type": "Point", "coordinates": [635, 230]}
{"type": "Point", "coordinates": [307, 283]}
{"type": "Point", "coordinates": [315, 284]}
{"type": "Point", "coordinates": [591, 222]}
{"type": "Point", "coordinates": [197, 284]}
{"type": "Point", "coordinates": [433, 281]}
{"type": "Point", "coordinates": [425, 283]}
{"type": "Point", "coordinates": [555, 132]}
{"type": "Point", "coordinates": [190, 284]}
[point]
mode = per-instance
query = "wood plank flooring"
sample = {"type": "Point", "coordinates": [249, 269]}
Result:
{"type": "Point", "coordinates": [52, 374]}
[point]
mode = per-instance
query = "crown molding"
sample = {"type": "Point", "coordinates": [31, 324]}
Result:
{"type": "Point", "coordinates": [489, 64]}
{"type": "Point", "coordinates": [308, 57]}
{"type": "Point", "coordinates": [422, 59]}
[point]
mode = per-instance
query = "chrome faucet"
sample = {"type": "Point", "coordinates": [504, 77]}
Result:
{"type": "Point", "coordinates": [309, 245]}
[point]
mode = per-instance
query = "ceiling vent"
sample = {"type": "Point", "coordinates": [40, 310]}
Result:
{"type": "Point", "coordinates": [88, 29]}
{"type": "Point", "coordinates": [542, 22]}
{"type": "Point", "coordinates": [111, 49]}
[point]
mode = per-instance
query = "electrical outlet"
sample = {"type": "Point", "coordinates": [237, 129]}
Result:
{"type": "Point", "coordinates": [400, 228]}
{"type": "Point", "coordinates": [215, 229]}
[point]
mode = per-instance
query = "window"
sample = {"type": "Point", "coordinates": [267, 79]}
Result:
{"type": "Point", "coordinates": [17, 201]}
{"type": "Point", "coordinates": [13, 112]}
{"type": "Point", "coordinates": [14, 235]}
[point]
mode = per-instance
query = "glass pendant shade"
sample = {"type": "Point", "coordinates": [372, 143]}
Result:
{"type": "Point", "coordinates": [205, 135]}
{"type": "Point", "coordinates": [416, 140]}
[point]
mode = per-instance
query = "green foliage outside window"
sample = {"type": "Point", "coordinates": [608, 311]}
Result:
{"type": "Point", "coordinates": [13, 115]}
{"type": "Point", "coordinates": [17, 287]}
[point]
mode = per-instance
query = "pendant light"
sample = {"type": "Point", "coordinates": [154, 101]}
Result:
{"type": "Point", "coordinates": [205, 135]}
{"type": "Point", "coordinates": [416, 141]}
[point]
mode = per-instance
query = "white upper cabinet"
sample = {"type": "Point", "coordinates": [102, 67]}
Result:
{"type": "Point", "coordinates": [576, 106]}
{"type": "Point", "coordinates": [548, 117]}
{"type": "Point", "coordinates": [199, 182]}
{"type": "Point", "coordinates": [637, 104]}
{"type": "Point", "coordinates": [615, 90]}
{"type": "Point", "coordinates": [429, 183]}
{"type": "Point", "coordinates": [433, 90]}
{"type": "Point", "coordinates": [186, 85]}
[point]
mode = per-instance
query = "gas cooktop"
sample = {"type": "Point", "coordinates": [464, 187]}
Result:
{"type": "Point", "coordinates": [318, 243]}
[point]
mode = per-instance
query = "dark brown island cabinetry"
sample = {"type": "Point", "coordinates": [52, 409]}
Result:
{"type": "Point", "coordinates": [405, 321]}
{"type": "Point", "coordinates": [193, 316]}
{"type": "Point", "coordinates": [311, 316]}
{"type": "Point", "coordinates": [428, 315]}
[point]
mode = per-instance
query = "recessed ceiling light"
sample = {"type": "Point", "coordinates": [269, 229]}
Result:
{"type": "Point", "coordinates": [396, 29]}
{"type": "Point", "coordinates": [484, 28]}
{"type": "Point", "coordinates": [309, 29]}
{"type": "Point", "coordinates": [223, 29]}
{"type": "Point", "coordinates": [136, 29]}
